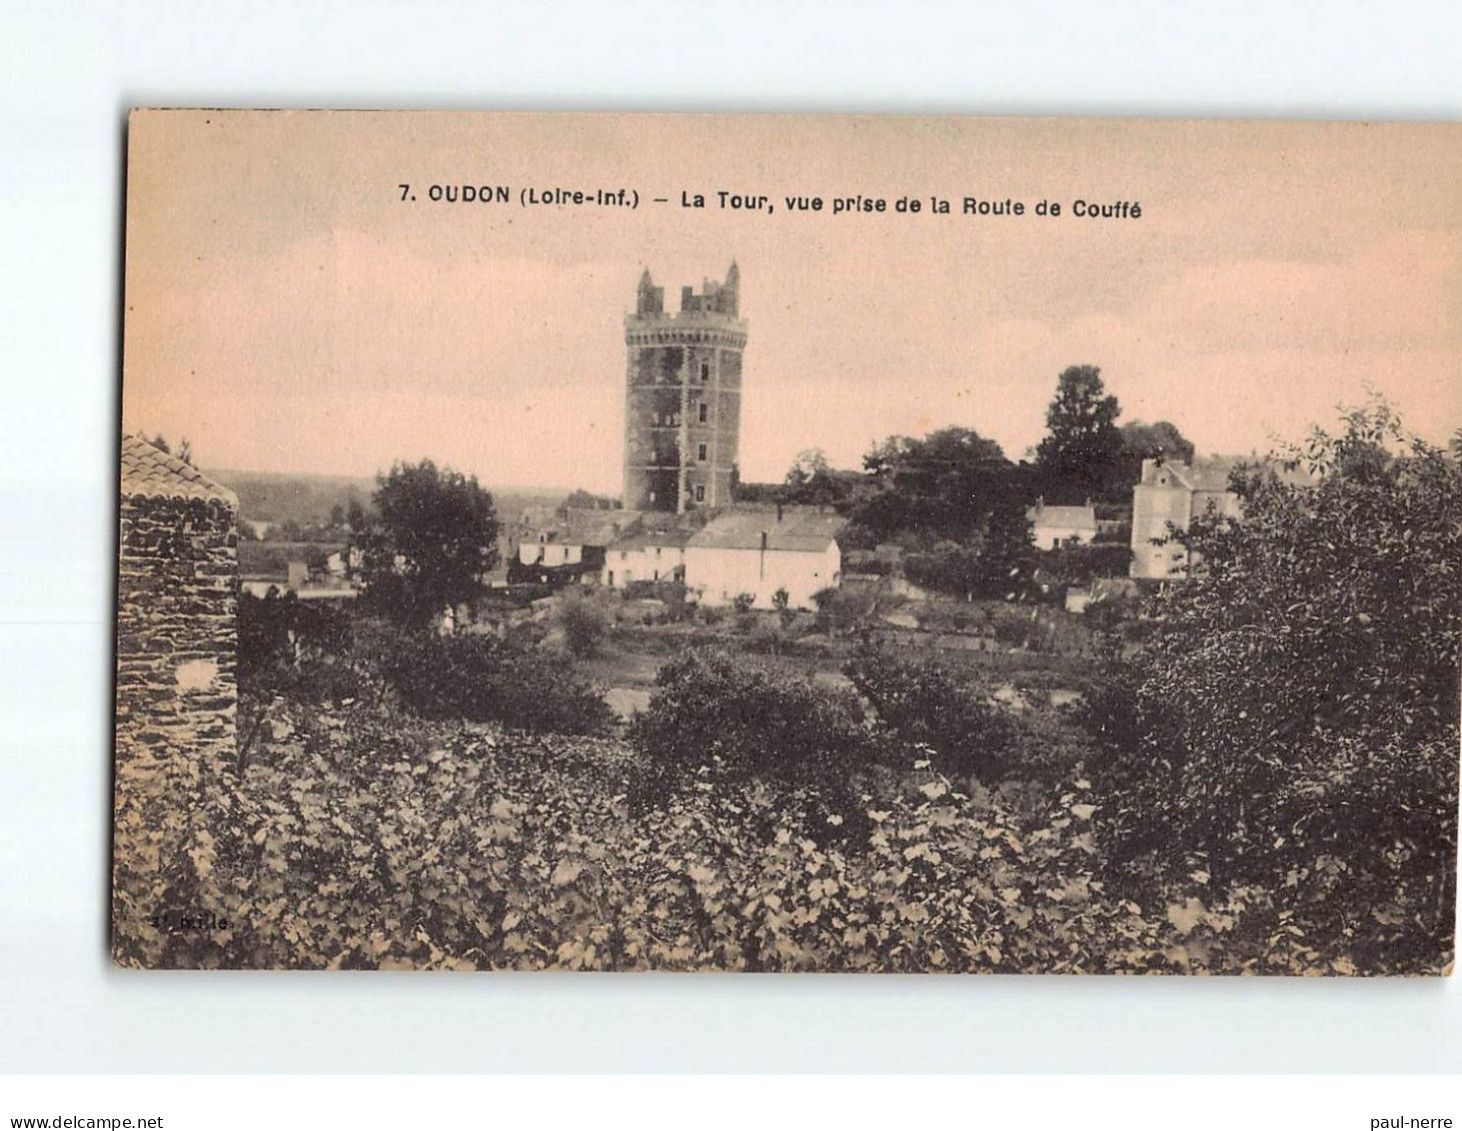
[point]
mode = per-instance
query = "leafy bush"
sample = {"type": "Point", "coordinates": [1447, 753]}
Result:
{"type": "Point", "coordinates": [1012, 626]}
{"type": "Point", "coordinates": [367, 841]}
{"type": "Point", "coordinates": [673, 594]}
{"type": "Point", "coordinates": [947, 566]}
{"type": "Point", "coordinates": [1116, 614]}
{"type": "Point", "coordinates": [295, 648]}
{"type": "Point", "coordinates": [866, 562]}
{"type": "Point", "coordinates": [955, 617]}
{"type": "Point", "coordinates": [1078, 565]}
{"type": "Point", "coordinates": [770, 639]}
{"type": "Point", "coordinates": [840, 609]}
{"type": "Point", "coordinates": [311, 655]}
{"type": "Point", "coordinates": [709, 706]}
{"type": "Point", "coordinates": [1293, 720]}
{"type": "Point", "coordinates": [782, 602]}
{"type": "Point", "coordinates": [482, 679]}
{"type": "Point", "coordinates": [925, 705]}
{"type": "Point", "coordinates": [585, 624]}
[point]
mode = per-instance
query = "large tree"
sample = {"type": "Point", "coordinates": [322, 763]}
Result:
{"type": "Point", "coordinates": [432, 536]}
{"type": "Point", "coordinates": [1142, 441]}
{"type": "Point", "coordinates": [940, 487]}
{"type": "Point", "coordinates": [955, 497]}
{"type": "Point", "coordinates": [811, 480]}
{"type": "Point", "coordinates": [1080, 455]}
{"type": "Point", "coordinates": [1294, 720]}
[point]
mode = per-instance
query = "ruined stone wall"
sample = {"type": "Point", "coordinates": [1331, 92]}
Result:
{"type": "Point", "coordinates": [177, 702]}
{"type": "Point", "coordinates": [177, 623]}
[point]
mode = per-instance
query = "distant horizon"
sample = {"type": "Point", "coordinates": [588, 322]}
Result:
{"type": "Point", "coordinates": [524, 488]}
{"type": "Point", "coordinates": [567, 489]}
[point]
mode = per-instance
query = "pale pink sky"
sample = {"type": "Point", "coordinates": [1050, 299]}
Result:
{"type": "Point", "coordinates": [285, 311]}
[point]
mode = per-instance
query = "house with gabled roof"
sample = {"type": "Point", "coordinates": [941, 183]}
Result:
{"type": "Point", "coordinates": [1167, 498]}
{"type": "Point", "coordinates": [578, 539]}
{"type": "Point", "coordinates": [763, 551]}
{"type": "Point", "coordinates": [654, 550]}
{"type": "Point", "coordinates": [1054, 527]}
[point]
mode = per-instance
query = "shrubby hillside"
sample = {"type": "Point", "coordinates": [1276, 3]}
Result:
{"type": "Point", "coordinates": [365, 842]}
{"type": "Point", "coordinates": [1266, 782]}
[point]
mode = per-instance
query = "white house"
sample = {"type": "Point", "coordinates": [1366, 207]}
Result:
{"type": "Point", "coordinates": [581, 537]}
{"type": "Point", "coordinates": [645, 555]}
{"type": "Point", "coordinates": [1054, 527]}
{"type": "Point", "coordinates": [1173, 492]}
{"type": "Point", "coordinates": [763, 551]}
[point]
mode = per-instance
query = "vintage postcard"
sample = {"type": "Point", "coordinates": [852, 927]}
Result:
{"type": "Point", "coordinates": [788, 543]}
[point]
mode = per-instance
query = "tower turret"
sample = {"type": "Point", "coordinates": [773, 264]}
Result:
{"type": "Point", "coordinates": [732, 290]}
{"type": "Point", "coordinates": [650, 299]}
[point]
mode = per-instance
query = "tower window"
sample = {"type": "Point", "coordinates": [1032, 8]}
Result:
{"type": "Point", "coordinates": [701, 453]}
{"type": "Point", "coordinates": [705, 371]}
{"type": "Point", "coordinates": [700, 492]}
{"type": "Point", "coordinates": [704, 411]}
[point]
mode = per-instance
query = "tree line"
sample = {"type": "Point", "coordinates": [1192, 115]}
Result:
{"type": "Point", "coordinates": [955, 502]}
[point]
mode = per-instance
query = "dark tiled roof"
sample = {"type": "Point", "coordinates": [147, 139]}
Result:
{"type": "Point", "coordinates": [641, 539]}
{"type": "Point", "coordinates": [1081, 518]}
{"type": "Point", "coordinates": [1212, 473]}
{"type": "Point", "coordinates": [800, 528]}
{"type": "Point", "coordinates": [597, 527]}
{"type": "Point", "coordinates": [152, 474]}
{"type": "Point", "coordinates": [585, 527]}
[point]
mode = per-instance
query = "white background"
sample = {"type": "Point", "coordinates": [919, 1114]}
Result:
{"type": "Point", "coordinates": [67, 74]}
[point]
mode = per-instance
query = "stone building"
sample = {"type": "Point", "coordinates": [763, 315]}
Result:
{"type": "Point", "coordinates": [1171, 492]}
{"type": "Point", "coordinates": [177, 602]}
{"type": "Point", "coordinates": [683, 396]}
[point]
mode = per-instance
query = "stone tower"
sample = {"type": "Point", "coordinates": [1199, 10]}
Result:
{"type": "Point", "coordinates": [682, 418]}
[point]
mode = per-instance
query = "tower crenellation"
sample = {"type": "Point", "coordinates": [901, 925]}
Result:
{"type": "Point", "coordinates": [683, 395]}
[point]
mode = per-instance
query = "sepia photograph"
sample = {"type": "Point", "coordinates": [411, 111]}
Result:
{"type": "Point", "coordinates": [788, 544]}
